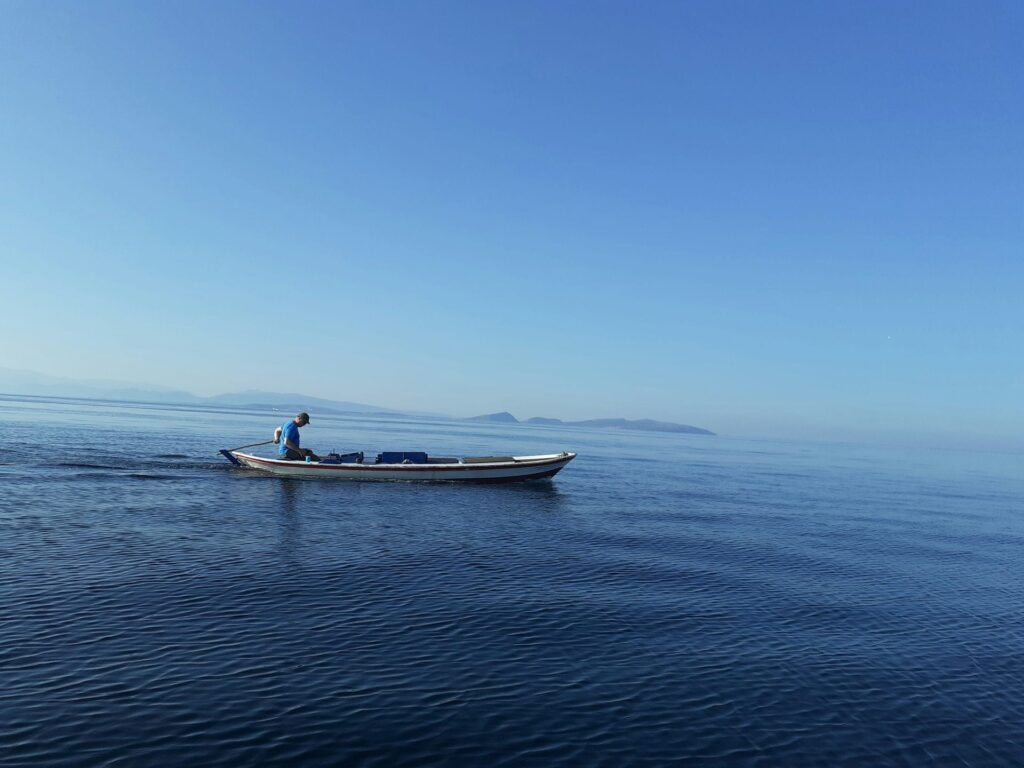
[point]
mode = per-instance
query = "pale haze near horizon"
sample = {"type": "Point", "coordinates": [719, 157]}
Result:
{"type": "Point", "coordinates": [795, 219]}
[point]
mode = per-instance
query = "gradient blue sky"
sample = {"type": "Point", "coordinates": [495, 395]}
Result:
{"type": "Point", "coordinates": [761, 218]}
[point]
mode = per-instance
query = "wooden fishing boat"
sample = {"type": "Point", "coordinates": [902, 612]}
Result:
{"type": "Point", "coordinates": [411, 466]}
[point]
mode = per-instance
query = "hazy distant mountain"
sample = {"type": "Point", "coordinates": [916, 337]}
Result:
{"type": "Point", "coordinates": [646, 425]}
{"type": "Point", "coordinates": [40, 385]}
{"type": "Point", "coordinates": [502, 418]}
{"type": "Point", "coordinates": [17, 382]}
{"type": "Point", "coordinates": [288, 400]}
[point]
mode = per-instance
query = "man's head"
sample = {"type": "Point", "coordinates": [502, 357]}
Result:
{"type": "Point", "coordinates": [302, 419]}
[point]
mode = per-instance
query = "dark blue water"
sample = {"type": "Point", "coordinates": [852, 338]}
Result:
{"type": "Point", "coordinates": [665, 600]}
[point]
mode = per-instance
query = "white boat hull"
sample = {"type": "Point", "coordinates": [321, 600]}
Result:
{"type": "Point", "coordinates": [517, 469]}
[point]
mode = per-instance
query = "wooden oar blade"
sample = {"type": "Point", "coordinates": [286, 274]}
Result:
{"type": "Point", "coordinates": [230, 457]}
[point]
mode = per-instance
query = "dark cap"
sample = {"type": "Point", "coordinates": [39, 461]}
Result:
{"type": "Point", "coordinates": [303, 417]}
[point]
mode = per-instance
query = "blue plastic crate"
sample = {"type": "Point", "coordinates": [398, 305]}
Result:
{"type": "Point", "coordinates": [402, 457]}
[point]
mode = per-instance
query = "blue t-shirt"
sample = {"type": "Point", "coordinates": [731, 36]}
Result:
{"type": "Point", "coordinates": [290, 431]}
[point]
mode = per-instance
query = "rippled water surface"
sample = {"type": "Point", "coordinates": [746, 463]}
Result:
{"type": "Point", "coordinates": [666, 599]}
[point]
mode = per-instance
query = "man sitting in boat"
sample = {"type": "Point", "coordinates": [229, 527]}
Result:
{"type": "Point", "coordinates": [287, 436]}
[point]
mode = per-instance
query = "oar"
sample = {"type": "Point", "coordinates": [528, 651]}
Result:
{"type": "Point", "coordinates": [226, 452]}
{"type": "Point", "coordinates": [250, 445]}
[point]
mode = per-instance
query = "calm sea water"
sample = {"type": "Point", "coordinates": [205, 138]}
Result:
{"type": "Point", "coordinates": [667, 599]}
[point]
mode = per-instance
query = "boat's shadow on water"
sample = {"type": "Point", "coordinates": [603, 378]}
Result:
{"type": "Point", "coordinates": [310, 512]}
{"type": "Point", "coordinates": [534, 496]}
{"type": "Point", "coordinates": [297, 494]}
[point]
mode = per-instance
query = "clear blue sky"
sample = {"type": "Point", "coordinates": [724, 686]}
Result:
{"type": "Point", "coordinates": [794, 218]}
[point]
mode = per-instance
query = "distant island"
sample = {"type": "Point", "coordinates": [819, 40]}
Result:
{"type": "Point", "coordinates": [644, 425]}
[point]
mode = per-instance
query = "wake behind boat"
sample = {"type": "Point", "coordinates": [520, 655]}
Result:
{"type": "Point", "coordinates": [411, 466]}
